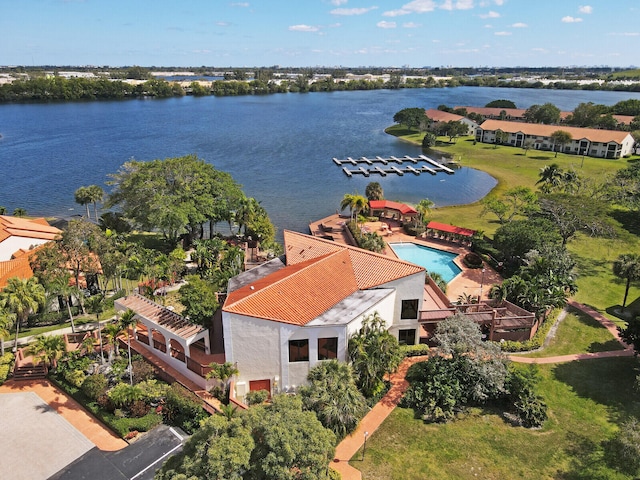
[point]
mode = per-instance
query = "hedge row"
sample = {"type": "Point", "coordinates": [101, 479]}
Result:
{"type": "Point", "coordinates": [6, 366]}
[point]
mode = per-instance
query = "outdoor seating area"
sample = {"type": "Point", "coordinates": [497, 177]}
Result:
{"type": "Point", "coordinates": [449, 233]}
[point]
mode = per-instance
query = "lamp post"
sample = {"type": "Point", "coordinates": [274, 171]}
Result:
{"type": "Point", "coordinates": [481, 285]}
{"type": "Point", "coordinates": [364, 447]}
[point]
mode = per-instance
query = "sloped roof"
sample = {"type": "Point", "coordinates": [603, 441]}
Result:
{"type": "Point", "coordinates": [496, 111]}
{"type": "Point", "coordinates": [160, 315]}
{"type": "Point", "coordinates": [401, 207]}
{"type": "Point", "coordinates": [29, 228]}
{"type": "Point", "coordinates": [539, 129]}
{"type": "Point", "coordinates": [443, 227]}
{"type": "Point", "coordinates": [318, 275]}
{"type": "Point", "coordinates": [442, 116]}
{"type": "Point", "coordinates": [16, 267]}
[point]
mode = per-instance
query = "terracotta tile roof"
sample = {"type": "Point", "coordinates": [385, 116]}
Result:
{"type": "Point", "coordinates": [626, 119]}
{"type": "Point", "coordinates": [29, 228]}
{"type": "Point", "coordinates": [160, 315]}
{"type": "Point", "coordinates": [318, 275]}
{"type": "Point", "coordinates": [441, 116]}
{"type": "Point", "coordinates": [511, 112]}
{"type": "Point", "coordinates": [401, 207]}
{"type": "Point", "coordinates": [539, 129]}
{"type": "Point", "coordinates": [16, 267]}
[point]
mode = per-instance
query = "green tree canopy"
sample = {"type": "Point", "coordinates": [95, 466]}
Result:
{"type": "Point", "coordinates": [173, 195]}
{"type": "Point", "coordinates": [548, 114]}
{"type": "Point", "coordinates": [199, 300]}
{"type": "Point", "coordinates": [410, 117]}
{"type": "Point", "coordinates": [560, 138]}
{"type": "Point", "coordinates": [501, 104]}
{"type": "Point", "coordinates": [373, 191]}
{"type": "Point", "coordinates": [517, 237]}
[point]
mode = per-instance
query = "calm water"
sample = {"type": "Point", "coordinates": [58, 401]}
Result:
{"type": "Point", "coordinates": [432, 259]}
{"type": "Point", "coordinates": [279, 147]}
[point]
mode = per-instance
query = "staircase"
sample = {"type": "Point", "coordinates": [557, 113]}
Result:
{"type": "Point", "coordinates": [30, 372]}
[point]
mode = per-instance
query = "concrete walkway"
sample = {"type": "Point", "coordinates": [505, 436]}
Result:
{"type": "Point", "coordinates": [371, 421]}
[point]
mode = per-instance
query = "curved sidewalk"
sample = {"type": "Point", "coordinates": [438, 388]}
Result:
{"type": "Point", "coordinates": [604, 321]}
{"type": "Point", "coordinates": [72, 411]}
{"type": "Point", "coordinates": [348, 447]}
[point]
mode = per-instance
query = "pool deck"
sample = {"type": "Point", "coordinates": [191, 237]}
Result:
{"type": "Point", "coordinates": [470, 281]}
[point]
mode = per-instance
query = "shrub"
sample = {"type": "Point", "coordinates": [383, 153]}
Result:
{"type": "Point", "coordinates": [122, 426]}
{"type": "Point", "coordinates": [153, 390]}
{"type": "Point", "coordinates": [139, 408]}
{"type": "Point", "coordinates": [534, 343]}
{"type": "Point", "coordinates": [414, 350]}
{"type": "Point", "coordinates": [414, 231]}
{"type": "Point", "coordinates": [623, 450]}
{"type": "Point", "coordinates": [528, 406]}
{"type": "Point", "coordinates": [7, 358]}
{"type": "Point", "coordinates": [183, 408]}
{"type": "Point", "coordinates": [123, 394]}
{"type": "Point", "coordinates": [4, 373]}
{"type": "Point", "coordinates": [473, 260]}
{"type": "Point", "coordinates": [104, 402]}
{"type": "Point", "coordinates": [75, 377]}
{"type": "Point", "coordinates": [94, 386]}
{"type": "Point", "coordinates": [256, 397]}
{"type": "Point", "coordinates": [142, 370]}
{"type": "Point", "coordinates": [6, 365]}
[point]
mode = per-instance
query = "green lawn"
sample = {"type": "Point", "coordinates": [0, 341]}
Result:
{"type": "Point", "coordinates": [579, 333]}
{"type": "Point", "coordinates": [597, 286]}
{"type": "Point", "coordinates": [586, 399]}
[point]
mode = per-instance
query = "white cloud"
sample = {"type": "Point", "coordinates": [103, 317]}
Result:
{"type": "Point", "coordinates": [539, 50]}
{"type": "Point", "coordinates": [411, 25]}
{"type": "Point", "coordinates": [222, 24]}
{"type": "Point", "coordinates": [625, 34]}
{"type": "Point", "coordinates": [585, 9]}
{"type": "Point", "coordinates": [491, 14]}
{"type": "Point", "coordinates": [337, 3]}
{"type": "Point", "coordinates": [502, 34]}
{"type": "Point", "coordinates": [416, 6]}
{"type": "Point", "coordinates": [499, 2]}
{"type": "Point", "coordinates": [458, 5]}
{"type": "Point", "coordinates": [384, 24]}
{"type": "Point", "coordinates": [519, 25]}
{"type": "Point", "coordinates": [351, 11]}
{"type": "Point", "coordinates": [240, 4]}
{"type": "Point", "coordinates": [488, 26]}
{"type": "Point", "coordinates": [570, 19]}
{"type": "Point", "coordinates": [303, 28]}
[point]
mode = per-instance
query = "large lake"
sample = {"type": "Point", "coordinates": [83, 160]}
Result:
{"type": "Point", "coordinates": [279, 147]}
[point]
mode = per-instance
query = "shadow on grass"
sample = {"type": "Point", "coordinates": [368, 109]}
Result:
{"type": "Point", "coordinates": [608, 381]}
{"type": "Point", "coordinates": [631, 311]}
{"type": "Point", "coordinates": [591, 266]}
{"type": "Point", "coordinates": [607, 346]}
{"type": "Point", "coordinates": [587, 459]}
{"type": "Point", "coordinates": [629, 220]}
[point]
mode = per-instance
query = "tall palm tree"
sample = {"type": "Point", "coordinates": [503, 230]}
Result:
{"type": "Point", "coordinates": [22, 297]}
{"type": "Point", "coordinates": [128, 321]}
{"type": "Point", "coordinates": [111, 331]}
{"type": "Point", "coordinates": [83, 196]}
{"type": "Point", "coordinates": [95, 194]}
{"type": "Point", "coordinates": [6, 322]}
{"type": "Point", "coordinates": [424, 209]}
{"type": "Point", "coordinates": [96, 305]}
{"type": "Point", "coordinates": [550, 177]}
{"type": "Point", "coordinates": [627, 267]}
{"type": "Point", "coordinates": [61, 287]}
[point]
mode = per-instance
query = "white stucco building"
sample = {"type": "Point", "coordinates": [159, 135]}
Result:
{"type": "Point", "coordinates": [282, 318]}
{"type": "Point", "coordinates": [585, 141]}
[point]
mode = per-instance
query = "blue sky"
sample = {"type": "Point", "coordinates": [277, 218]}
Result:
{"type": "Point", "coordinates": [301, 33]}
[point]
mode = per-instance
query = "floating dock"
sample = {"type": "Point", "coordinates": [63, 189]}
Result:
{"type": "Point", "coordinates": [406, 164]}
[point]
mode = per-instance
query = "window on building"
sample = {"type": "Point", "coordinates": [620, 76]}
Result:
{"type": "Point", "coordinates": [409, 309]}
{"type": "Point", "coordinates": [298, 350]}
{"type": "Point", "coordinates": [327, 348]}
{"type": "Point", "coordinates": [407, 337]}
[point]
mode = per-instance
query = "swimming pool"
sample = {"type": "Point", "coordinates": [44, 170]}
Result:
{"type": "Point", "coordinates": [432, 259]}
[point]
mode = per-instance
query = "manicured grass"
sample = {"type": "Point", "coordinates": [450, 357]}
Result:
{"type": "Point", "coordinates": [579, 333]}
{"type": "Point", "coordinates": [586, 399]}
{"type": "Point", "coordinates": [597, 286]}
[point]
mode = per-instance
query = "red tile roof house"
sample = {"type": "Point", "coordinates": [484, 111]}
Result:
{"type": "Point", "coordinates": [19, 237]}
{"type": "Point", "coordinates": [510, 114]}
{"type": "Point", "coordinates": [585, 141]}
{"type": "Point", "coordinates": [441, 116]}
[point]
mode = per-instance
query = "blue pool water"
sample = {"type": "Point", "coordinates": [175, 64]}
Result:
{"type": "Point", "coordinates": [432, 259]}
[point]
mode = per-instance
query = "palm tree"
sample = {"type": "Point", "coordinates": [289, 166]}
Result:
{"type": "Point", "coordinates": [61, 287]}
{"type": "Point", "coordinates": [19, 212]}
{"type": "Point", "coordinates": [223, 372]}
{"type": "Point", "coordinates": [83, 196]}
{"type": "Point", "coordinates": [128, 320]}
{"type": "Point", "coordinates": [6, 322]}
{"type": "Point", "coordinates": [111, 331]}
{"type": "Point", "coordinates": [627, 267]}
{"type": "Point", "coordinates": [48, 349]}
{"type": "Point", "coordinates": [95, 194]}
{"type": "Point", "coordinates": [424, 209]}
{"type": "Point", "coordinates": [373, 191]}
{"type": "Point", "coordinates": [22, 297]}
{"type": "Point", "coordinates": [96, 305]}
{"type": "Point", "coordinates": [550, 177]}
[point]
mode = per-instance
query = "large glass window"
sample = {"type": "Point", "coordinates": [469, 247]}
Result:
{"type": "Point", "coordinates": [409, 309]}
{"type": "Point", "coordinates": [407, 337]}
{"type": "Point", "coordinates": [298, 350]}
{"type": "Point", "coordinates": [327, 348]}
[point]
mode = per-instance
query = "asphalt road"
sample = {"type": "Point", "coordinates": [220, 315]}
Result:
{"type": "Point", "coordinates": [138, 461]}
